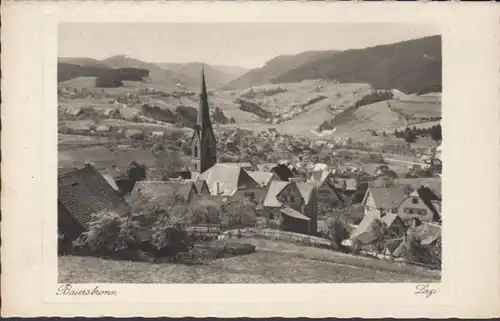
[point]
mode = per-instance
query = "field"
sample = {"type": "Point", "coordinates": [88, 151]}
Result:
{"type": "Point", "coordinates": [274, 262]}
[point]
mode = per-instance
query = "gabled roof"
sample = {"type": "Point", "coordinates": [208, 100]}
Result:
{"type": "Point", "coordinates": [306, 190]}
{"type": "Point", "coordinates": [230, 178]}
{"type": "Point", "coordinates": [427, 233]}
{"type": "Point", "coordinates": [388, 219]}
{"type": "Point", "coordinates": [274, 189]}
{"type": "Point", "coordinates": [368, 231]}
{"type": "Point", "coordinates": [262, 178]}
{"type": "Point", "coordinates": [199, 184]}
{"type": "Point", "coordinates": [394, 247]}
{"type": "Point", "coordinates": [111, 182]}
{"type": "Point", "coordinates": [266, 167]}
{"type": "Point", "coordinates": [320, 167]}
{"type": "Point", "coordinates": [318, 177]}
{"type": "Point", "coordinates": [434, 184]}
{"type": "Point", "coordinates": [162, 189]}
{"type": "Point", "coordinates": [246, 166]}
{"type": "Point", "coordinates": [295, 214]}
{"type": "Point", "coordinates": [85, 191]}
{"type": "Point", "coordinates": [387, 197]}
{"type": "Point", "coordinates": [350, 184]}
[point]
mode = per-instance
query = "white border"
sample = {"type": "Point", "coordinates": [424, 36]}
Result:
{"type": "Point", "coordinates": [470, 190]}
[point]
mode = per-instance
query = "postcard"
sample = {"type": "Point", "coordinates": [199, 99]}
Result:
{"type": "Point", "coordinates": [250, 159]}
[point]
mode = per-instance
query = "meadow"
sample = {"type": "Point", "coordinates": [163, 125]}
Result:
{"type": "Point", "coordinates": [274, 262]}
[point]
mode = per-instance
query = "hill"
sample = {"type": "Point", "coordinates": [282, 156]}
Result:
{"type": "Point", "coordinates": [274, 68]}
{"type": "Point", "coordinates": [215, 76]}
{"type": "Point", "coordinates": [157, 75]}
{"type": "Point", "coordinates": [410, 66]}
{"type": "Point", "coordinates": [105, 77]}
{"type": "Point", "coordinates": [82, 61]}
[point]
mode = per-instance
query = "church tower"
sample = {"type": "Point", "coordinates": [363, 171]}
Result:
{"type": "Point", "coordinates": [203, 144]}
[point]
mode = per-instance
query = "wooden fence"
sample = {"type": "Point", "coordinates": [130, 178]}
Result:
{"type": "Point", "coordinates": [278, 235]}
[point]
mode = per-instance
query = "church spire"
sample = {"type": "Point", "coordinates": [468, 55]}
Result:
{"type": "Point", "coordinates": [203, 121]}
{"type": "Point", "coordinates": [203, 143]}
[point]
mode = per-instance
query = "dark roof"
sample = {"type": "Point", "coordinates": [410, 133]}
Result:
{"type": "Point", "coordinates": [84, 192]}
{"type": "Point", "coordinates": [283, 172]}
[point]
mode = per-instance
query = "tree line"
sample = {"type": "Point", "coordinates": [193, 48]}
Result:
{"type": "Point", "coordinates": [410, 134]}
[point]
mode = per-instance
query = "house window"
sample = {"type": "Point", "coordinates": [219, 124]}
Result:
{"type": "Point", "coordinates": [414, 200]}
{"type": "Point", "coordinates": [417, 211]}
{"type": "Point", "coordinates": [394, 210]}
{"type": "Point", "coordinates": [249, 194]}
{"type": "Point", "coordinates": [408, 211]}
{"type": "Point", "coordinates": [195, 152]}
{"type": "Point", "coordinates": [291, 198]}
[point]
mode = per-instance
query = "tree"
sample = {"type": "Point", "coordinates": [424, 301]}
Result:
{"type": "Point", "coordinates": [397, 133]}
{"type": "Point", "coordinates": [435, 133]}
{"type": "Point", "coordinates": [337, 231]}
{"type": "Point", "coordinates": [108, 233]}
{"type": "Point", "coordinates": [238, 212]}
{"type": "Point", "coordinates": [409, 136]}
{"type": "Point", "coordinates": [167, 163]}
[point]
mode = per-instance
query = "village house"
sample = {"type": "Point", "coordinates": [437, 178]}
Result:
{"type": "Point", "coordinates": [347, 186]}
{"type": "Point", "coordinates": [293, 205]}
{"type": "Point", "coordinates": [328, 196]}
{"type": "Point", "coordinates": [230, 180]}
{"type": "Point", "coordinates": [201, 186]}
{"type": "Point", "coordinates": [246, 166]}
{"type": "Point", "coordinates": [403, 201]}
{"type": "Point", "coordinates": [159, 191]}
{"type": "Point", "coordinates": [264, 179]}
{"type": "Point", "coordinates": [82, 193]}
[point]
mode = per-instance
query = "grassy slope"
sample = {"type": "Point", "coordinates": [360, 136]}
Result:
{"type": "Point", "coordinates": [274, 262]}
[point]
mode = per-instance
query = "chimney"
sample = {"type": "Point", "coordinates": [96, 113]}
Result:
{"type": "Point", "coordinates": [216, 188]}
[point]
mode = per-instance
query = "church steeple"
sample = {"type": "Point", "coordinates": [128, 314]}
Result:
{"type": "Point", "coordinates": [203, 108]}
{"type": "Point", "coordinates": [203, 143]}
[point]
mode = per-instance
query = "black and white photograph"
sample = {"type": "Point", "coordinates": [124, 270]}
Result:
{"type": "Point", "coordinates": [249, 153]}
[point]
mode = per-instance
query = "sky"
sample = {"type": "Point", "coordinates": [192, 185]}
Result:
{"type": "Point", "coordinates": [241, 44]}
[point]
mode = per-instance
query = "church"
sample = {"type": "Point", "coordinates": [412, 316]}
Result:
{"type": "Point", "coordinates": [203, 143]}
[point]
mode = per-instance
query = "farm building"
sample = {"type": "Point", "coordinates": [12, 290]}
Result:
{"type": "Point", "coordinates": [328, 196]}
{"type": "Point", "coordinates": [298, 197]}
{"type": "Point", "coordinates": [82, 193]}
{"type": "Point", "coordinates": [263, 178]}
{"type": "Point", "coordinates": [163, 192]}
{"type": "Point", "coordinates": [230, 180]}
{"type": "Point", "coordinates": [421, 203]}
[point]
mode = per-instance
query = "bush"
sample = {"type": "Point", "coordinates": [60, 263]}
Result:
{"type": "Point", "coordinates": [108, 234]}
